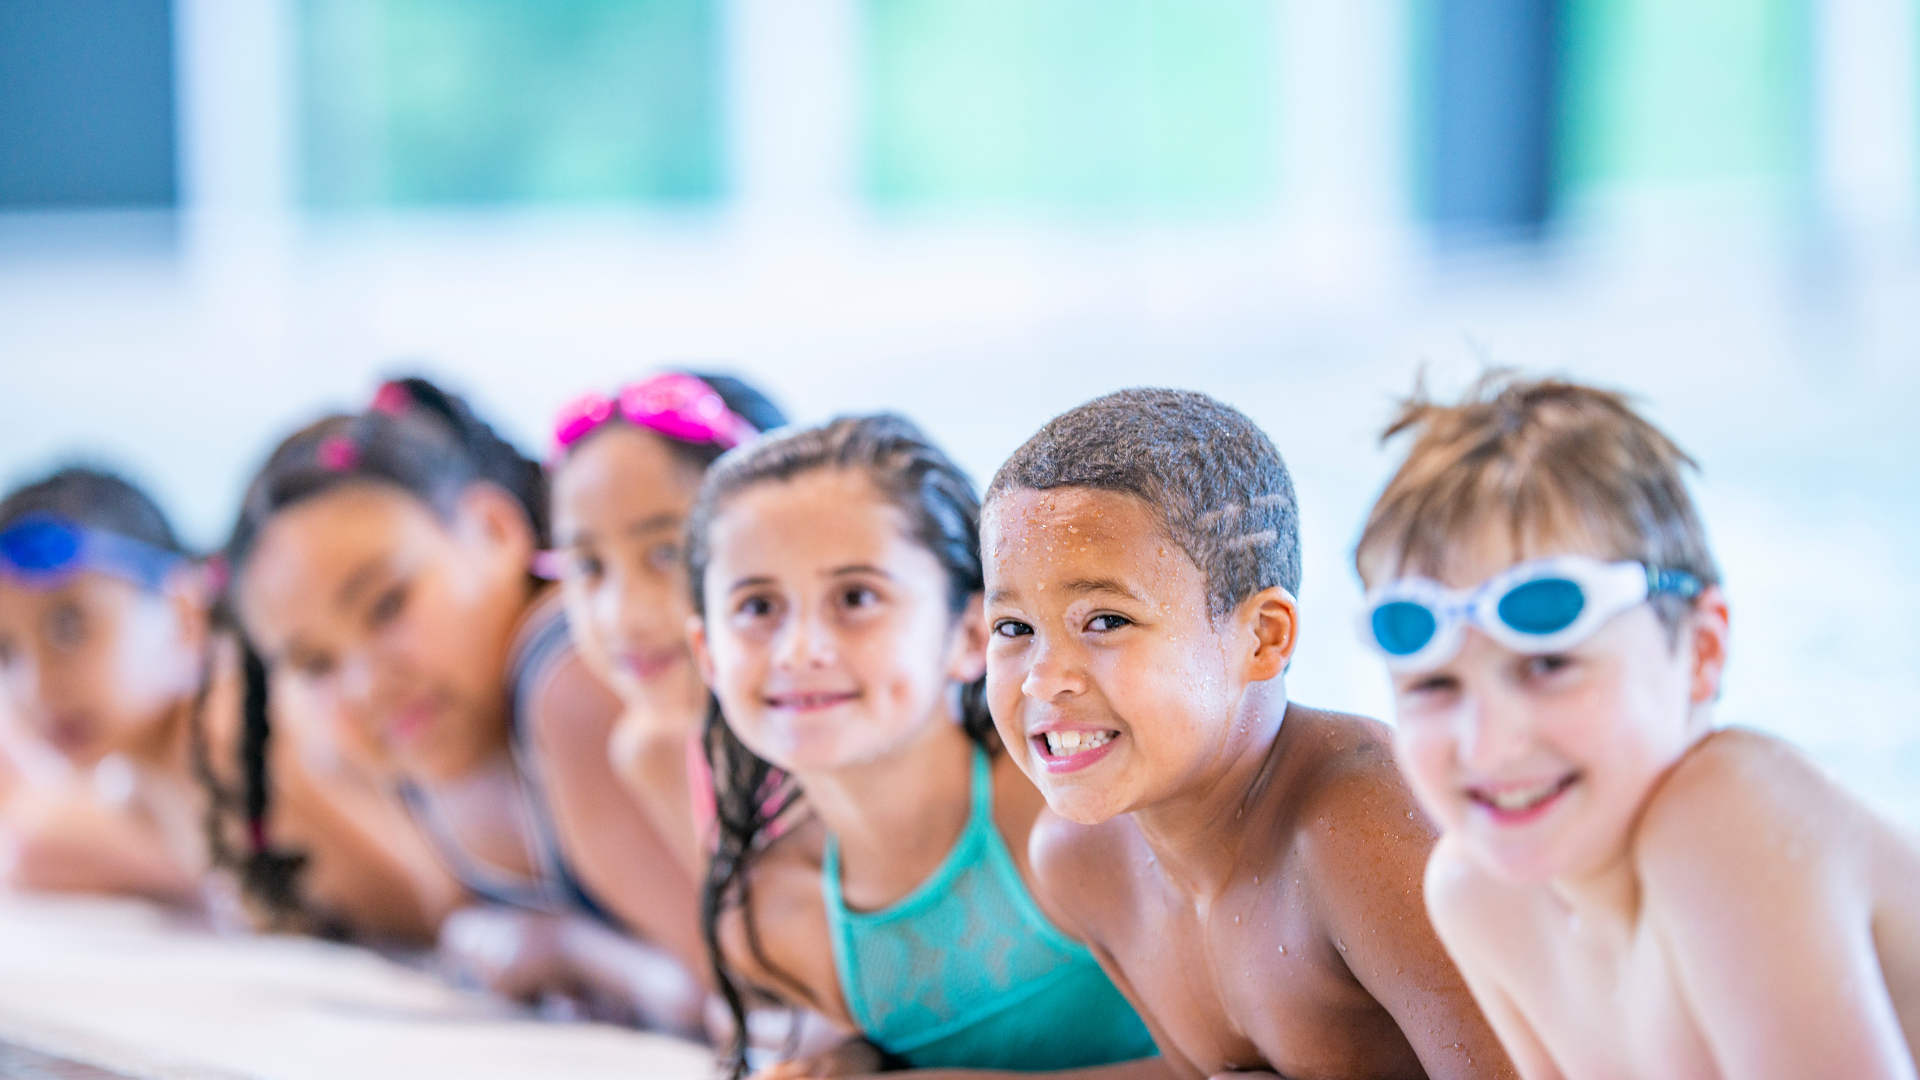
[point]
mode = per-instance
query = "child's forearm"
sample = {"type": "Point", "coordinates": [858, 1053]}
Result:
{"type": "Point", "coordinates": [1153, 1068]}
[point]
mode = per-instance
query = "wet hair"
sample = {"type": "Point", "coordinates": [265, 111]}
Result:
{"type": "Point", "coordinates": [1220, 490]}
{"type": "Point", "coordinates": [1550, 462]}
{"type": "Point", "coordinates": [943, 516]}
{"type": "Point", "coordinates": [416, 438]}
{"type": "Point", "coordinates": [95, 499]}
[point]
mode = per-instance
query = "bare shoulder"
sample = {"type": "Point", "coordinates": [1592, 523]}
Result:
{"type": "Point", "coordinates": [1336, 783]}
{"type": "Point", "coordinates": [571, 710]}
{"type": "Point", "coordinates": [1468, 906]}
{"type": "Point", "coordinates": [1083, 874]}
{"type": "Point", "coordinates": [1743, 810]}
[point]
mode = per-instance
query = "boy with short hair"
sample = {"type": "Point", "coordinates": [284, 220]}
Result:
{"type": "Point", "coordinates": [1629, 892]}
{"type": "Point", "coordinates": [1246, 870]}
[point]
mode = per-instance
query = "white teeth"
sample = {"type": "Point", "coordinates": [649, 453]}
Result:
{"type": "Point", "coordinates": [1069, 743]}
{"type": "Point", "coordinates": [1523, 798]}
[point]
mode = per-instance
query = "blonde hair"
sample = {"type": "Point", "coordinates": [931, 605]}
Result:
{"type": "Point", "coordinates": [1553, 462]}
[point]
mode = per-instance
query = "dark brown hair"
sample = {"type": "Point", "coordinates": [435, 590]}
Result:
{"type": "Point", "coordinates": [943, 513]}
{"type": "Point", "coordinates": [1549, 461]}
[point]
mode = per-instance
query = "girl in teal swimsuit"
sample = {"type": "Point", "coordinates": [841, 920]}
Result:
{"type": "Point", "coordinates": [872, 853]}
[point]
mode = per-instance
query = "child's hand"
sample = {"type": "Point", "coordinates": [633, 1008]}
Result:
{"type": "Point", "coordinates": [855, 1057]}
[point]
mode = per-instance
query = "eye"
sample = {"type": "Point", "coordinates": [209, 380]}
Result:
{"type": "Point", "coordinates": [6, 652]}
{"type": "Point", "coordinates": [858, 596]}
{"type": "Point", "coordinates": [756, 607]}
{"type": "Point", "coordinates": [1437, 683]}
{"type": "Point", "coordinates": [1012, 628]}
{"type": "Point", "coordinates": [388, 606]}
{"type": "Point", "coordinates": [588, 566]}
{"type": "Point", "coordinates": [1544, 667]}
{"type": "Point", "coordinates": [1108, 623]}
{"type": "Point", "coordinates": [65, 626]}
{"type": "Point", "coordinates": [313, 667]}
{"type": "Point", "coordinates": [664, 558]}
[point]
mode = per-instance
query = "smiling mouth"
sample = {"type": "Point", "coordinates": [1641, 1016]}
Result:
{"type": "Point", "coordinates": [1522, 802]}
{"type": "Point", "coordinates": [646, 665]}
{"type": "Point", "coordinates": [812, 701]}
{"type": "Point", "coordinates": [1066, 744]}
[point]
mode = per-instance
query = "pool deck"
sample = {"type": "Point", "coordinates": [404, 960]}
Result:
{"type": "Point", "coordinates": [95, 989]}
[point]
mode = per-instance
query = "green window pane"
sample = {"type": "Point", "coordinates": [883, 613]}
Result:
{"type": "Point", "coordinates": [1661, 91]}
{"type": "Point", "coordinates": [1089, 104]}
{"type": "Point", "coordinates": [436, 102]}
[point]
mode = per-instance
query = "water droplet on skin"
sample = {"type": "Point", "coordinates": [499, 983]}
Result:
{"type": "Point", "coordinates": [1283, 950]}
{"type": "Point", "coordinates": [1236, 920]}
{"type": "Point", "coordinates": [1256, 879]}
{"type": "Point", "coordinates": [1341, 944]}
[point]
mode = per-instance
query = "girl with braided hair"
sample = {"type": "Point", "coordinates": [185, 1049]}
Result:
{"type": "Point", "coordinates": [114, 654]}
{"type": "Point", "coordinates": [383, 568]}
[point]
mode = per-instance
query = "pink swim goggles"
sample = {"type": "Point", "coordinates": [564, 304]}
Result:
{"type": "Point", "coordinates": [674, 404]}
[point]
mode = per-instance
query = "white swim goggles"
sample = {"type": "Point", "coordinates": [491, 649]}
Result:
{"type": "Point", "coordinates": [1542, 606]}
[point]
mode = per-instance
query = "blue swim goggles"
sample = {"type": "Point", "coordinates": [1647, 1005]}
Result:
{"type": "Point", "coordinates": [1541, 606]}
{"type": "Point", "coordinates": [43, 550]}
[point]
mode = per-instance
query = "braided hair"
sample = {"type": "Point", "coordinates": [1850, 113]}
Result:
{"type": "Point", "coordinates": [415, 437]}
{"type": "Point", "coordinates": [943, 512]}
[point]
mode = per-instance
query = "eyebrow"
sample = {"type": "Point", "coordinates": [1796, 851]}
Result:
{"type": "Point", "coordinates": [838, 571]}
{"type": "Point", "coordinates": [1082, 586]}
{"type": "Point", "coordinates": [358, 581]}
{"type": "Point", "coordinates": [664, 520]}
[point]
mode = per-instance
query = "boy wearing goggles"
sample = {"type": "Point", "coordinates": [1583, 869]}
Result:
{"type": "Point", "coordinates": [1245, 868]}
{"type": "Point", "coordinates": [1629, 892]}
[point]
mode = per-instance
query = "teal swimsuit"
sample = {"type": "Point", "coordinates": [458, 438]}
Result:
{"type": "Point", "coordinates": [965, 971]}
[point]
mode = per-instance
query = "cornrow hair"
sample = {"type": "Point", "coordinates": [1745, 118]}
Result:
{"type": "Point", "coordinates": [417, 438]}
{"type": "Point", "coordinates": [750, 794]}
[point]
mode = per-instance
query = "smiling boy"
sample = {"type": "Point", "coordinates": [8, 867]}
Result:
{"type": "Point", "coordinates": [1246, 870]}
{"type": "Point", "coordinates": [1629, 892]}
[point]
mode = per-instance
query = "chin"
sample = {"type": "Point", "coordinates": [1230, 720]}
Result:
{"type": "Point", "coordinates": [1081, 805]}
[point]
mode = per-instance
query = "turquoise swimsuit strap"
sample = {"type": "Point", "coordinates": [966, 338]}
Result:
{"type": "Point", "coordinates": [979, 843]}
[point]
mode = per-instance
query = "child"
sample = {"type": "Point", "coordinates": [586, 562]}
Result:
{"type": "Point", "coordinates": [382, 564]}
{"type": "Point", "coordinates": [111, 657]}
{"type": "Point", "coordinates": [1246, 869]}
{"type": "Point", "coordinates": [1628, 891]}
{"type": "Point", "coordinates": [836, 572]}
{"type": "Point", "coordinates": [625, 473]}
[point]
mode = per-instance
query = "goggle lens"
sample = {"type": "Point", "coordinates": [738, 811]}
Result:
{"type": "Point", "coordinates": [1403, 627]}
{"type": "Point", "coordinates": [1543, 606]}
{"type": "Point", "coordinates": [40, 547]}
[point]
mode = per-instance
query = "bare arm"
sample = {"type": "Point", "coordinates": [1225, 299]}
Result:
{"type": "Point", "coordinates": [1755, 883]}
{"type": "Point", "coordinates": [615, 847]}
{"type": "Point", "coordinates": [1470, 933]}
{"type": "Point", "coordinates": [1371, 900]}
{"type": "Point", "coordinates": [67, 841]}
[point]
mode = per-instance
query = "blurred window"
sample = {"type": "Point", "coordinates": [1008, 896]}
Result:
{"type": "Point", "coordinates": [86, 104]}
{"type": "Point", "coordinates": [1659, 91]}
{"type": "Point", "coordinates": [1162, 105]}
{"type": "Point", "coordinates": [440, 102]}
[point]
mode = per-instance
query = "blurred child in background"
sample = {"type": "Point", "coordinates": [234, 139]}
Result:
{"type": "Point", "coordinates": [382, 564]}
{"type": "Point", "coordinates": [1628, 891]}
{"type": "Point", "coordinates": [625, 473]}
{"type": "Point", "coordinates": [836, 572]}
{"type": "Point", "coordinates": [111, 656]}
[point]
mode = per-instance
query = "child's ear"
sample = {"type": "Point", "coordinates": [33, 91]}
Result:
{"type": "Point", "coordinates": [1272, 617]}
{"type": "Point", "coordinates": [1707, 633]}
{"type": "Point", "coordinates": [496, 521]}
{"type": "Point", "coordinates": [188, 594]}
{"type": "Point", "coordinates": [967, 655]}
{"type": "Point", "coordinates": [697, 643]}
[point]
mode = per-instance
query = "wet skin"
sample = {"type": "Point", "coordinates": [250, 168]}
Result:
{"type": "Point", "coordinates": [398, 624]}
{"type": "Point", "coordinates": [1629, 894]}
{"type": "Point", "coordinates": [620, 500]}
{"type": "Point", "coordinates": [1247, 870]}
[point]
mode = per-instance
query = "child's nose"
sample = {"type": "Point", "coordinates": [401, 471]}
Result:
{"type": "Point", "coordinates": [1494, 730]}
{"type": "Point", "coordinates": [805, 641]}
{"type": "Point", "coordinates": [1052, 674]}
